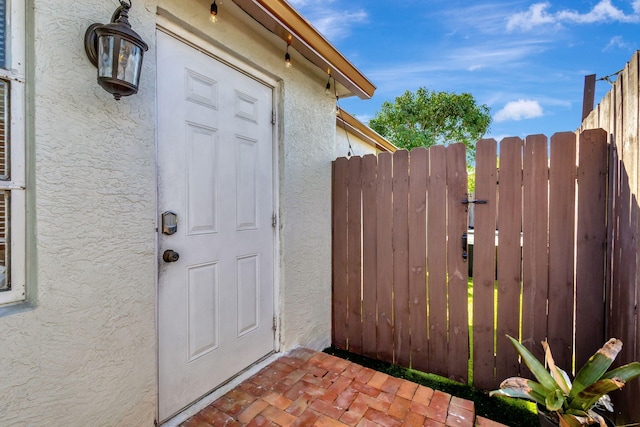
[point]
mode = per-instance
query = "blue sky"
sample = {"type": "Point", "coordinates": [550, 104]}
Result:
{"type": "Point", "coordinates": [525, 59]}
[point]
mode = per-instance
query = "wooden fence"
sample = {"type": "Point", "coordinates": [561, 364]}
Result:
{"type": "Point", "coordinates": [618, 114]}
{"type": "Point", "coordinates": [400, 290]}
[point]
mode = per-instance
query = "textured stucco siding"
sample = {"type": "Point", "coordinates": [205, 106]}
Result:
{"type": "Point", "coordinates": [309, 135]}
{"type": "Point", "coordinates": [85, 355]}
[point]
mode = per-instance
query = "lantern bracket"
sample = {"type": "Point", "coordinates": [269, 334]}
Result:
{"type": "Point", "coordinates": [91, 44]}
{"type": "Point", "coordinates": [91, 38]}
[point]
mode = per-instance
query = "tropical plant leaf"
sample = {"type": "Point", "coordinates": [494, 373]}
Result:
{"type": "Point", "coordinates": [532, 396]}
{"type": "Point", "coordinates": [560, 377]}
{"type": "Point", "coordinates": [596, 366]}
{"type": "Point", "coordinates": [577, 412]}
{"type": "Point", "coordinates": [541, 374]}
{"type": "Point", "coordinates": [522, 388]}
{"type": "Point", "coordinates": [554, 400]}
{"type": "Point", "coordinates": [625, 373]}
{"type": "Point", "coordinates": [590, 395]}
{"type": "Point", "coordinates": [524, 384]}
{"type": "Point", "coordinates": [567, 420]}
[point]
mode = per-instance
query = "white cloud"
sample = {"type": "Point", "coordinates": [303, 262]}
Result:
{"type": "Point", "coordinates": [364, 118]}
{"type": "Point", "coordinates": [536, 15]}
{"type": "Point", "coordinates": [519, 110]}
{"type": "Point", "coordinates": [603, 11]}
{"type": "Point", "coordinates": [332, 20]}
{"type": "Point", "coordinates": [617, 42]}
{"type": "Point", "coordinates": [336, 26]}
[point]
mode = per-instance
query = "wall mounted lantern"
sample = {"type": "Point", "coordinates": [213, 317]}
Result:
{"type": "Point", "coordinates": [116, 50]}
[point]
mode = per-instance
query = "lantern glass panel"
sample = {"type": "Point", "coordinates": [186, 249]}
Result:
{"type": "Point", "coordinates": [129, 59]}
{"type": "Point", "coordinates": [105, 56]}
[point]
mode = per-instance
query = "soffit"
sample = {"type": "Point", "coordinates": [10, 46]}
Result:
{"type": "Point", "coordinates": [284, 21]}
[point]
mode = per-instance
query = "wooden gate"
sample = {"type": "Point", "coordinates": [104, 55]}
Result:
{"type": "Point", "coordinates": [400, 267]}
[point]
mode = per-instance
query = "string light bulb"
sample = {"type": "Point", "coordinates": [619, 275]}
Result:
{"type": "Point", "coordinates": [327, 88]}
{"type": "Point", "coordinates": [287, 57]}
{"type": "Point", "coordinates": [214, 11]}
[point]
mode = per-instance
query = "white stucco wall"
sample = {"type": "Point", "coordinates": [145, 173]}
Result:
{"type": "Point", "coordinates": [86, 353]}
{"type": "Point", "coordinates": [307, 152]}
{"type": "Point", "coordinates": [359, 147]}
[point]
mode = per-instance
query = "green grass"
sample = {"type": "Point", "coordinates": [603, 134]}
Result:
{"type": "Point", "coordinates": [511, 412]}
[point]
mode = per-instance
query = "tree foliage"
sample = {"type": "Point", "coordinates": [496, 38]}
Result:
{"type": "Point", "coordinates": [425, 118]}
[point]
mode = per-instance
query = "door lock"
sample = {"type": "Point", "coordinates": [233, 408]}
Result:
{"type": "Point", "coordinates": [170, 256]}
{"type": "Point", "coordinates": [169, 223]}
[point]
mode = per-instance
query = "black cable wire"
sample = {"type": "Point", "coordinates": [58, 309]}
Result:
{"type": "Point", "coordinates": [607, 78]}
{"type": "Point", "coordinates": [344, 123]}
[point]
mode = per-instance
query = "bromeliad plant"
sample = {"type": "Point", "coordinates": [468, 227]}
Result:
{"type": "Point", "coordinates": [573, 403]}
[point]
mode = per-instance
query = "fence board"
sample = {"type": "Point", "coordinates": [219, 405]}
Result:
{"type": "Point", "coordinates": [354, 296]}
{"type": "Point", "coordinates": [612, 233]}
{"type": "Point", "coordinates": [339, 253]}
{"type": "Point", "coordinates": [484, 252]}
{"type": "Point", "coordinates": [562, 175]}
{"type": "Point", "coordinates": [458, 291]}
{"type": "Point", "coordinates": [535, 255]}
{"type": "Point", "coordinates": [631, 129]}
{"type": "Point", "coordinates": [419, 168]}
{"type": "Point", "coordinates": [628, 310]}
{"type": "Point", "coordinates": [437, 261]}
{"type": "Point", "coordinates": [401, 257]}
{"type": "Point", "coordinates": [590, 244]}
{"type": "Point", "coordinates": [369, 256]}
{"type": "Point", "coordinates": [398, 254]}
{"type": "Point", "coordinates": [631, 407]}
{"type": "Point", "coordinates": [620, 116]}
{"type": "Point", "coordinates": [509, 227]}
{"type": "Point", "coordinates": [617, 322]}
{"type": "Point", "coordinates": [384, 264]}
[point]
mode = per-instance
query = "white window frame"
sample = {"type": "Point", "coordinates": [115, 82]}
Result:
{"type": "Point", "coordinates": [14, 74]}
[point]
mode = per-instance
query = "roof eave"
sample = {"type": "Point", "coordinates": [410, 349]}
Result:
{"type": "Point", "coordinates": [284, 21]}
{"type": "Point", "coordinates": [367, 134]}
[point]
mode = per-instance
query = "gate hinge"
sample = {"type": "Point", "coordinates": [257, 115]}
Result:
{"type": "Point", "coordinates": [274, 220]}
{"type": "Point", "coordinates": [273, 117]}
{"type": "Point", "coordinates": [275, 323]}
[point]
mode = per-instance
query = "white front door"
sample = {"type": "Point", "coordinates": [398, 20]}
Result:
{"type": "Point", "coordinates": [215, 172]}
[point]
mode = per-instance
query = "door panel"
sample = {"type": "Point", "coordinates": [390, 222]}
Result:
{"type": "Point", "coordinates": [215, 157]}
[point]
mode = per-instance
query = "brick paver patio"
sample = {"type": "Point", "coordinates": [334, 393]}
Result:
{"type": "Point", "coordinates": [307, 388]}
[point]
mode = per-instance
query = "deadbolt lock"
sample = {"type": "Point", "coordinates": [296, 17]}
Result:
{"type": "Point", "coordinates": [169, 223]}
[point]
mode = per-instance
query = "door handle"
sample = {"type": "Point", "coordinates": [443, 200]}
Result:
{"type": "Point", "coordinates": [170, 256]}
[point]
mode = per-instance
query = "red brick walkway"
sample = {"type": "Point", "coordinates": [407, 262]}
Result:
{"type": "Point", "coordinates": [306, 388]}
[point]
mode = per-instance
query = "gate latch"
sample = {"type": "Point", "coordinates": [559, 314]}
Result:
{"type": "Point", "coordinates": [466, 201]}
{"type": "Point", "coordinates": [465, 255]}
